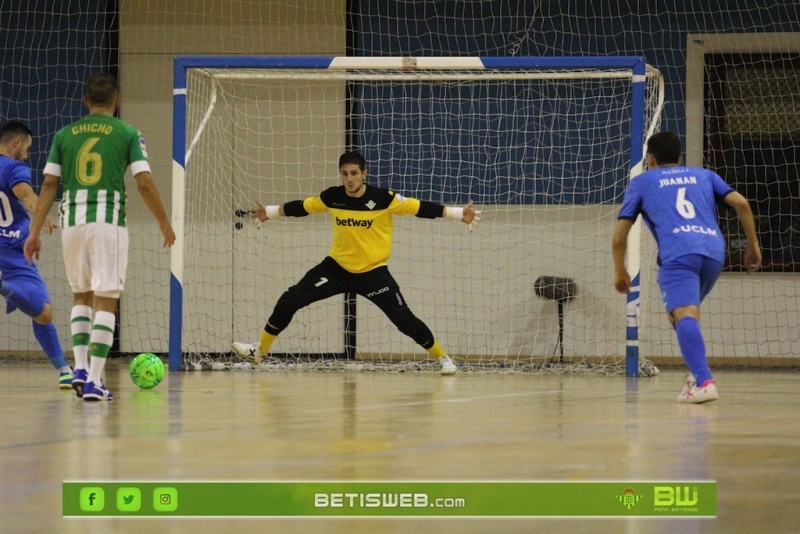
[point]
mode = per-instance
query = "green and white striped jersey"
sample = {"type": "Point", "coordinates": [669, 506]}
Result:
{"type": "Point", "coordinates": [91, 157]}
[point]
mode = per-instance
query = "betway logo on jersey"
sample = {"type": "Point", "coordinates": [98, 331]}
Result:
{"type": "Point", "coordinates": [353, 222]}
{"type": "Point", "coordinates": [693, 228]}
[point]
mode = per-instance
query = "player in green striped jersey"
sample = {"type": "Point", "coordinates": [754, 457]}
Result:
{"type": "Point", "coordinates": [90, 158]}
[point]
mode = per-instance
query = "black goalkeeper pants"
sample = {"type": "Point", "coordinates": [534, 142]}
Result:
{"type": "Point", "coordinates": [329, 278]}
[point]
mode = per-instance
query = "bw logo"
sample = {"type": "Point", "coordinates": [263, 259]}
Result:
{"type": "Point", "coordinates": [628, 498]}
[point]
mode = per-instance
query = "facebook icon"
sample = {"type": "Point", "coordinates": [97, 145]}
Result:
{"type": "Point", "coordinates": [92, 499]}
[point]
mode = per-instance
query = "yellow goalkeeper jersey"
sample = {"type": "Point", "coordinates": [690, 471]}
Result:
{"type": "Point", "coordinates": [362, 227]}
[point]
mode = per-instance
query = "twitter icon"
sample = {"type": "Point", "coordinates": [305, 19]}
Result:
{"type": "Point", "coordinates": [129, 499]}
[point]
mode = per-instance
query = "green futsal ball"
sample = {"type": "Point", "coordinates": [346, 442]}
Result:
{"type": "Point", "coordinates": [147, 370]}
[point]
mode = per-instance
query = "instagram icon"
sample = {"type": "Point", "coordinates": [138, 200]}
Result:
{"type": "Point", "coordinates": [165, 499]}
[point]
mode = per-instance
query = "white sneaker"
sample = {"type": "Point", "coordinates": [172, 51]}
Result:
{"type": "Point", "coordinates": [248, 351]}
{"type": "Point", "coordinates": [706, 392]}
{"type": "Point", "coordinates": [688, 383]}
{"type": "Point", "coordinates": [448, 367]}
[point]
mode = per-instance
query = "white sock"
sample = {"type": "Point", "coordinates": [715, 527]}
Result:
{"type": "Point", "coordinates": [81, 326]}
{"type": "Point", "coordinates": [102, 339]}
{"type": "Point", "coordinates": [96, 368]}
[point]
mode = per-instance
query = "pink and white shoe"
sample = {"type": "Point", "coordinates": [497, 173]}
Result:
{"type": "Point", "coordinates": [705, 392]}
{"type": "Point", "coordinates": [688, 383]}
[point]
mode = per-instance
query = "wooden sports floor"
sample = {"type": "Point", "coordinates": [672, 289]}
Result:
{"type": "Point", "coordinates": [264, 426]}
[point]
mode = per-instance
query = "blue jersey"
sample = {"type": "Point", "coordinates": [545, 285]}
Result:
{"type": "Point", "coordinates": [679, 206]}
{"type": "Point", "coordinates": [14, 218]}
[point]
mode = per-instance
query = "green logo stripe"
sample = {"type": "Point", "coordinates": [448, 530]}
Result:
{"type": "Point", "coordinates": [404, 499]}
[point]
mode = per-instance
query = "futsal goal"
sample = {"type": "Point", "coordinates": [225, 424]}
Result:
{"type": "Point", "coordinates": [544, 146]}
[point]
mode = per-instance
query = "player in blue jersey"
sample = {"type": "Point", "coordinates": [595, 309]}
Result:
{"type": "Point", "coordinates": [679, 205]}
{"type": "Point", "coordinates": [21, 285]}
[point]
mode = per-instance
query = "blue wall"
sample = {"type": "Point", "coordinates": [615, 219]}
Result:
{"type": "Point", "coordinates": [654, 29]}
{"type": "Point", "coordinates": [650, 28]}
{"type": "Point", "coordinates": [513, 143]}
{"type": "Point", "coordinates": [49, 49]}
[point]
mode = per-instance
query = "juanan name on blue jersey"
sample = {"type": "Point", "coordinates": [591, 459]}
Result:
{"type": "Point", "coordinates": [678, 180]}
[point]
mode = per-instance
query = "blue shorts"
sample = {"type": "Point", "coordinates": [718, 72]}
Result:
{"type": "Point", "coordinates": [23, 279]}
{"type": "Point", "coordinates": [685, 281]}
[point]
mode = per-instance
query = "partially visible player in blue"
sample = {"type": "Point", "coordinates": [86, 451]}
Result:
{"type": "Point", "coordinates": [679, 205]}
{"type": "Point", "coordinates": [21, 285]}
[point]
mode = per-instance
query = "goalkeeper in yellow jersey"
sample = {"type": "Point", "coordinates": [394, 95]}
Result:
{"type": "Point", "coordinates": [362, 242]}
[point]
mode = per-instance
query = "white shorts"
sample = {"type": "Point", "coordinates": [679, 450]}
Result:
{"type": "Point", "coordinates": [96, 258]}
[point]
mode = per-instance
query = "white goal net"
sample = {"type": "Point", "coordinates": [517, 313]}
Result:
{"type": "Point", "coordinates": [544, 151]}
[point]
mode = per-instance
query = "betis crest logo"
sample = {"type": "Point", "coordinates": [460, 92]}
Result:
{"type": "Point", "coordinates": [628, 498]}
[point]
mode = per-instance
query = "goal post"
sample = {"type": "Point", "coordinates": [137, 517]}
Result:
{"type": "Point", "coordinates": [544, 145]}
